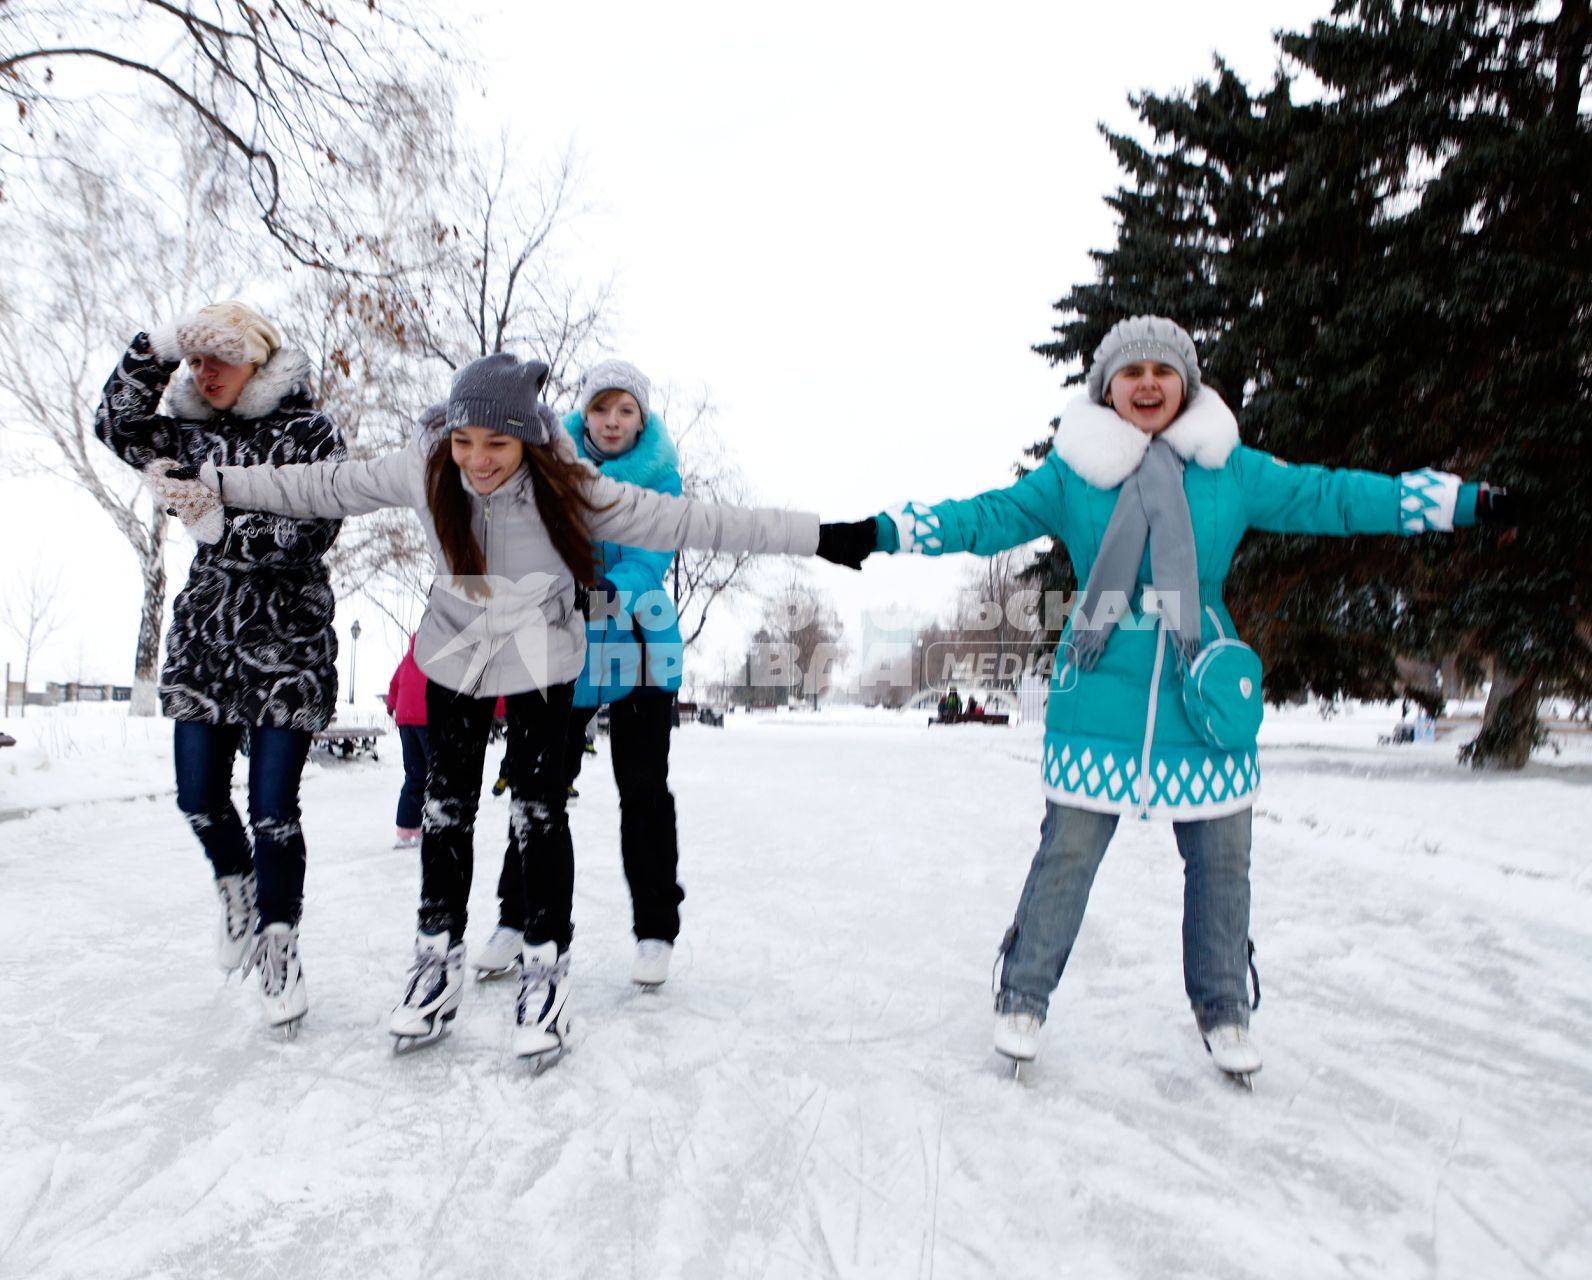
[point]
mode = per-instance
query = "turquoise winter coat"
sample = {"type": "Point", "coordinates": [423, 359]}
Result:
{"type": "Point", "coordinates": [1117, 739]}
{"type": "Point", "coordinates": [641, 643]}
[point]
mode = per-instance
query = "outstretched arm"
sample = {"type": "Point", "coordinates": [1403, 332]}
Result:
{"type": "Point", "coordinates": [322, 490]}
{"type": "Point", "coordinates": [986, 525]}
{"type": "Point", "coordinates": [1286, 498]}
{"type": "Point", "coordinates": [641, 517]}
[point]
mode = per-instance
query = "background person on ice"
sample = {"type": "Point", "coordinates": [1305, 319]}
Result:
{"type": "Point", "coordinates": [406, 704]}
{"type": "Point", "coordinates": [511, 513]}
{"type": "Point", "coordinates": [251, 648]}
{"type": "Point", "coordinates": [633, 663]}
{"type": "Point", "coordinates": [1151, 492]}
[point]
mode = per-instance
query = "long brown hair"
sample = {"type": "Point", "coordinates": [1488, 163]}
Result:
{"type": "Point", "coordinates": [563, 499]}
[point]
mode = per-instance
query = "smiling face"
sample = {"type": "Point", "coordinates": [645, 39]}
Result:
{"type": "Point", "coordinates": [1146, 394]}
{"type": "Point", "coordinates": [488, 458]}
{"type": "Point", "coordinates": [614, 421]}
{"type": "Point", "coordinates": [218, 382]}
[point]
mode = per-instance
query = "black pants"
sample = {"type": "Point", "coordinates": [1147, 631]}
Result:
{"type": "Point", "coordinates": [638, 734]}
{"type": "Point", "coordinates": [539, 847]}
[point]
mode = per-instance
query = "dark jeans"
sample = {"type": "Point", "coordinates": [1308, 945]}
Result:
{"type": "Point", "coordinates": [417, 756]}
{"type": "Point", "coordinates": [204, 755]}
{"type": "Point", "coordinates": [638, 735]}
{"type": "Point", "coordinates": [458, 727]}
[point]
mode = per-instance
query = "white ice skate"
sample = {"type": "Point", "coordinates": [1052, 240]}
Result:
{"type": "Point", "coordinates": [283, 996]}
{"type": "Point", "coordinates": [431, 992]}
{"type": "Point", "coordinates": [1017, 1036]}
{"type": "Point", "coordinates": [407, 838]}
{"type": "Point", "coordinates": [651, 967]}
{"type": "Point", "coordinates": [236, 928]}
{"type": "Point", "coordinates": [542, 1015]}
{"type": "Point", "coordinates": [1233, 1052]}
{"type": "Point", "coordinates": [501, 955]}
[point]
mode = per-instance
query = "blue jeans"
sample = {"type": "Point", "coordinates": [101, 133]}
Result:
{"type": "Point", "coordinates": [1215, 912]}
{"type": "Point", "coordinates": [417, 756]}
{"type": "Point", "coordinates": [203, 755]}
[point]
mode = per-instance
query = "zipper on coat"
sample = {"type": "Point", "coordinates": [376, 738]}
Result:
{"type": "Point", "coordinates": [1145, 781]}
{"type": "Point", "coordinates": [486, 616]}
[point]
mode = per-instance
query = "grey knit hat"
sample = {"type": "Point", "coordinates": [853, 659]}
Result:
{"type": "Point", "coordinates": [500, 392]}
{"type": "Point", "coordinates": [1144, 338]}
{"type": "Point", "coordinates": [615, 375]}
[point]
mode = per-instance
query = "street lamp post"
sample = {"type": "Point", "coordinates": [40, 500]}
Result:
{"type": "Point", "coordinates": [353, 657]}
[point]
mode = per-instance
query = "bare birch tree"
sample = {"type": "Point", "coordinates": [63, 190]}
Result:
{"type": "Point", "coordinates": [90, 263]}
{"type": "Point", "coordinates": [281, 86]}
{"type": "Point", "coordinates": [31, 612]}
{"type": "Point", "coordinates": [699, 579]}
{"type": "Point", "coordinates": [491, 278]}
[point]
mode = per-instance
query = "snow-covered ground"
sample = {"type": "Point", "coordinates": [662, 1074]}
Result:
{"type": "Point", "coordinates": [813, 1092]}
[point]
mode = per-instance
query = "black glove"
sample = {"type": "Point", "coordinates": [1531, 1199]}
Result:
{"type": "Point", "coordinates": [602, 601]}
{"type": "Point", "coordinates": [848, 544]}
{"type": "Point", "coordinates": [1496, 506]}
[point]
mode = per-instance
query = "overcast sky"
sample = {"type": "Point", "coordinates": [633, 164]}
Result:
{"type": "Point", "coordinates": [848, 222]}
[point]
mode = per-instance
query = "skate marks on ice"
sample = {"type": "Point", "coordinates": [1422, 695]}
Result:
{"type": "Point", "coordinates": [815, 1097]}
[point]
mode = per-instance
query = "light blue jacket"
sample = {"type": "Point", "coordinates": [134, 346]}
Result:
{"type": "Point", "coordinates": [640, 642]}
{"type": "Point", "coordinates": [1117, 738]}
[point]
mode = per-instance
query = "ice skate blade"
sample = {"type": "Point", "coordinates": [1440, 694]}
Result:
{"type": "Point", "coordinates": [544, 1052]}
{"type": "Point", "coordinates": [491, 975]}
{"type": "Point", "coordinates": [403, 1042]}
{"type": "Point", "coordinates": [1244, 1078]}
{"type": "Point", "coordinates": [539, 1060]}
{"type": "Point", "coordinates": [288, 1027]}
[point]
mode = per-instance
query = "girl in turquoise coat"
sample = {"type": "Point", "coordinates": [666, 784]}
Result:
{"type": "Point", "coordinates": [1153, 704]}
{"type": "Point", "coordinates": [633, 666]}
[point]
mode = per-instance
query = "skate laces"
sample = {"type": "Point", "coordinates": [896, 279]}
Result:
{"type": "Point", "coordinates": [428, 969]}
{"type": "Point", "coordinates": [237, 900]}
{"type": "Point", "coordinates": [537, 978]}
{"type": "Point", "coordinates": [270, 954]}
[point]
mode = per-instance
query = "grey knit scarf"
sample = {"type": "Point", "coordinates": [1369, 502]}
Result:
{"type": "Point", "coordinates": [1151, 507]}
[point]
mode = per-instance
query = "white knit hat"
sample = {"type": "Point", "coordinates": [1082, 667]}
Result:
{"type": "Point", "coordinates": [230, 331]}
{"type": "Point", "coordinates": [615, 375]}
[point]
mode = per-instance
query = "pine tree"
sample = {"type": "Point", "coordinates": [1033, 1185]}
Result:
{"type": "Point", "coordinates": [1390, 275]}
{"type": "Point", "coordinates": [1434, 236]}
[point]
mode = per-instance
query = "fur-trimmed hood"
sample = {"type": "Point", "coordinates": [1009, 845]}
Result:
{"type": "Point", "coordinates": [285, 374]}
{"type": "Point", "coordinates": [1105, 450]}
{"type": "Point", "coordinates": [648, 462]}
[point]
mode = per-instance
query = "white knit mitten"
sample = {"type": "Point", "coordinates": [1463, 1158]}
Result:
{"type": "Point", "coordinates": [178, 491]}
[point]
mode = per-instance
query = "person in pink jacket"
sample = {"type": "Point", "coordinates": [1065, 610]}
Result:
{"type": "Point", "coordinates": [406, 704]}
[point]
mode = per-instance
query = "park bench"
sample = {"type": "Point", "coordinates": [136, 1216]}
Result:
{"type": "Point", "coordinates": [981, 717]}
{"type": "Point", "coordinates": [345, 741]}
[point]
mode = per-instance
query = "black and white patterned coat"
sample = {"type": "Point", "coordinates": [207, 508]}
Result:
{"type": "Point", "coordinates": [251, 638]}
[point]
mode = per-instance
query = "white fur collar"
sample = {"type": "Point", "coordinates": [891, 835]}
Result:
{"type": "Point", "coordinates": [285, 372]}
{"type": "Point", "coordinates": [1105, 450]}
